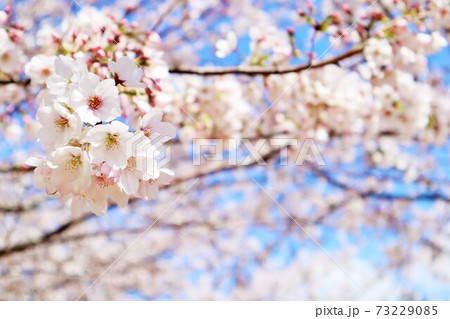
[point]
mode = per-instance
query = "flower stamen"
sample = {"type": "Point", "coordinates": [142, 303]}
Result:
{"type": "Point", "coordinates": [112, 141]}
{"type": "Point", "coordinates": [62, 123]}
{"type": "Point", "coordinates": [73, 163]}
{"type": "Point", "coordinates": [95, 102]}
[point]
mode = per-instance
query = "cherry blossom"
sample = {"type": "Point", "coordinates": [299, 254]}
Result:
{"type": "Point", "coordinates": [59, 123]}
{"type": "Point", "coordinates": [94, 100]}
{"type": "Point", "coordinates": [90, 157]}
{"type": "Point", "coordinates": [40, 68]}
{"type": "Point", "coordinates": [154, 129]}
{"type": "Point", "coordinates": [126, 72]}
{"type": "Point", "coordinates": [149, 189]}
{"type": "Point", "coordinates": [108, 143]}
{"type": "Point", "coordinates": [67, 74]}
{"type": "Point", "coordinates": [378, 53]}
{"type": "Point", "coordinates": [141, 167]}
{"type": "Point", "coordinates": [95, 198]}
{"type": "Point", "coordinates": [225, 46]}
{"type": "Point", "coordinates": [70, 169]}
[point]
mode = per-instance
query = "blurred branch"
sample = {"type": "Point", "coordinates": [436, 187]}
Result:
{"type": "Point", "coordinates": [28, 204]}
{"type": "Point", "coordinates": [166, 13]}
{"type": "Point", "coordinates": [212, 167]}
{"type": "Point", "coordinates": [16, 169]}
{"type": "Point", "coordinates": [23, 82]}
{"type": "Point", "coordinates": [45, 238]}
{"type": "Point", "coordinates": [381, 195]}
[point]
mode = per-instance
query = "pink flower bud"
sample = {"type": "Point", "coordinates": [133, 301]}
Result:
{"type": "Point", "coordinates": [290, 31]}
{"type": "Point", "coordinates": [377, 16]}
{"type": "Point", "coordinates": [346, 8]}
{"type": "Point", "coordinates": [16, 36]}
{"type": "Point", "coordinates": [359, 28]}
{"type": "Point", "coordinates": [56, 38]}
{"type": "Point", "coordinates": [129, 9]}
{"type": "Point", "coordinates": [101, 53]}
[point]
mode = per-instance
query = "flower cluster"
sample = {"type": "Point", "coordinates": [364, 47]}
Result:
{"type": "Point", "coordinates": [90, 152]}
{"type": "Point", "coordinates": [319, 106]}
{"type": "Point", "coordinates": [216, 109]}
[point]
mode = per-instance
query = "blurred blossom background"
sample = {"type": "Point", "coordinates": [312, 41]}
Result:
{"type": "Point", "coordinates": [366, 81]}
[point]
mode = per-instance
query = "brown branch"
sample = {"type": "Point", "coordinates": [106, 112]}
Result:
{"type": "Point", "coordinates": [16, 169]}
{"type": "Point", "coordinates": [255, 70]}
{"type": "Point", "coordinates": [23, 82]}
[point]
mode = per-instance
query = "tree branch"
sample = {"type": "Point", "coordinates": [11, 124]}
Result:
{"type": "Point", "coordinates": [165, 13]}
{"type": "Point", "coordinates": [255, 70]}
{"type": "Point", "coordinates": [23, 82]}
{"type": "Point", "coordinates": [45, 238]}
{"type": "Point", "coordinates": [242, 69]}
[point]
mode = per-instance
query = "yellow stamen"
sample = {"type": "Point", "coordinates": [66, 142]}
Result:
{"type": "Point", "coordinates": [95, 102]}
{"type": "Point", "coordinates": [74, 163]}
{"type": "Point", "coordinates": [112, 141]}
{"type": "Point", "coordinates": [62, 123]}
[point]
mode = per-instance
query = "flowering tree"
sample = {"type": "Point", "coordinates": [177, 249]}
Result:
{"type": "Point", "coordinates": [91, 95]}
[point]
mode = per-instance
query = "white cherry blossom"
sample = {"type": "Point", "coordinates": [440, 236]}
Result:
{"type": "Point", "coordinates": [71, 169]}
{"type": "Point", "coordinates": [40, 68]}
{"type": "Point", "coordinates": [149, 189]}
{"type": "Point", "coordinates": [60, 124]}
{"type": "Point", "coordinates": [96, 101]}
{"type": "Point", "coordinates": [378, 53]}
{"type": "Point", "coordinates": [225, 46]}
{"type": "Point", "coordinates": [10, 60]}
{"type": "Point", "coordinates": [68, 73]}
{"type": "Point", "coordinates": [42, 175]}
{"type": "Point", "coordinates": [140, 167]}
{"type": "Point", "coordinates": [155, 129]}
{"type": "Point", "coordinates": [108, 143]}
{"type": "Point", "coordinates": [95, 198]}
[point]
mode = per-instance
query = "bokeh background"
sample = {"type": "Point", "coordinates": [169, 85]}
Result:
{"type": "Point", "coordinates": [348, 230]}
